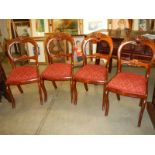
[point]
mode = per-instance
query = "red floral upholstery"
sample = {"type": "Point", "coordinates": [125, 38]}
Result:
{"type": "Point", "coordinates": [57, 71]}
{"type": "Point", "coordinates": [22, 74]}
{"type": "Point", "coordinates": [129, 83]}
{"type": "Point", "coordinates": [91, 73]}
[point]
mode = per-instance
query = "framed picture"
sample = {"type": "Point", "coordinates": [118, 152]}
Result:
{"type": "Point", "coordinates": [22, 27]}
{"type": "Point", "coordinates": [142, 25]}
{"type": "Point", "coordinates": [39, 27]}
{"type": "Point", "coordinates": [66, 25]}
{"type": "Point", "coordinates": [118, 24]}
{"type": "Point", "coordinates": [94, 25]}
{"type": "Point", "coordinates": [78, 41]}
{"type": "Point", "coordinates": [41, 51]}
{"type": "Point", "coordinates": [23, 31]}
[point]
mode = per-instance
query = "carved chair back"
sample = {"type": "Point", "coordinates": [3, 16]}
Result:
{"type": "Point", "coordinates": [60, 47]}
{"type": "Point", "coordinates": [89, 51]}
{"type": "Point", "coordinates": [137, 62]}
{"type": "Point", "coordinates": [14, 58]}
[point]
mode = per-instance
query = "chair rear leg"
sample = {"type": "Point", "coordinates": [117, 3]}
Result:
{"type": "Point", "coordinates": [86, 86]}
{"type": "Point", "coordinates": [74, 93]}
{"type": "Point", "coordinates": [71, 90]}
{"type": "Point", "coordinates": [141, 102]}
{"type": "Point", "coordinates": [40, 92]}
{"type": "Point", "coordinates": [11, 96]}
{"type": "Point", "coordinates": [0, 97]}
{"type": "Point", "coordinates": [54, 84]}
{"type": "Point", "coordinates": [110, 66]}
{"type": "Point", "coordinates": [20, 89]}
{"type": "Point", "coordinates": [44, 90]}
{"type": "Point", "coordinates": [118, 97]}
{"type": "Point", "coordinates": [141, 112]}
{"type": "Point", "coordinates": [103, 99]}
{"type": "Point", "coordinates": [106, 102]}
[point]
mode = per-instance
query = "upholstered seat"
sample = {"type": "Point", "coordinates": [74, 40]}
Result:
{"type": "Point", "coordinates": [127, 82]}
{"type": "Point", "coordinates": [91, 73]}
{"type": "Point", "coordinates": [22, 74]}
{"type": "Point", "coordinates": [57, 71]}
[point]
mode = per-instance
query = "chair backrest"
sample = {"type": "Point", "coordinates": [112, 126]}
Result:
{"type": "Point", "coordinates": [60, 47]}
{"type": "Point", "coordinates": [139, 41]}
{"type": "Point", "coordinates": [91, 41]}
{"type": "Point", "coordinates": [14, 58]}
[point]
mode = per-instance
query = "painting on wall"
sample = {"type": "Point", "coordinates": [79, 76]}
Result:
{"type": "Point", "coordinates": [94, 25]}
{"type": "Point", "coordinates": [39, 27]}
{"type": "Point", "coordinates": [23, 31]}
{"type": "Point", "coordinates": [78, 41]}
{"type": "Point", "coordinates": [142, 24]}
{"type": "Point", "coordinates": [41, 50]}
{"type": "Point", "coordinates": [118, 24]}
{"type": "Point", "coordinates": [65, 25]}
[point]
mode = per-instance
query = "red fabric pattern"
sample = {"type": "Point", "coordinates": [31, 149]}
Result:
{"type": "Point", "coordinates": [22, 74]}
{"type": "Point", "coordinates": [129, 83]}
{"type": "Point", "coordinates": [91, 73]}
{"type": "Point", "coordinates": [57, 71]}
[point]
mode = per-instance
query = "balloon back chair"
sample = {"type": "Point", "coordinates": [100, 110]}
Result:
{"type": "Point", "coordinates": [59, 48]}
{"type": "Point", "coordinates": [22, 74]}
{"type": "Point", "coordinates": [92, 72]}
{"type": "Point", "coordinates": [131, 84]}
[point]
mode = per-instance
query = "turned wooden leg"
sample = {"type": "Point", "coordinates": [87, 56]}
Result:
{"type": "Point", "coordinates": [11, 96]}
{"type": "Point", "coordinates": [71, 90]}
{"type": "Point", "coordinates": [141, 102]}
{"type": "Point", "coordinates": [106, 102]}
{"type": "Point", "coordinates": [44, 90]}
{"type": "Point", "coordinates": [103, 99]}
{"type": "Point", "coordinates": [40, 92]}
{"type": "Point", "coordinates": [74, 93]}
{"type": "Point", "coordinates": [118, 97]}
{"type": "Point", "coordinates": [54, 84]}
{"type": "Point", "coordinates": [20, 89]}
{"type": "Point", "coordinates": [86, 86]}
{"type": "Point", "coordinates": [0, 97]}
{"type": "Point", "coordinates": [141, 112]}
{"type": "Point", "coordinates": [110, 66]}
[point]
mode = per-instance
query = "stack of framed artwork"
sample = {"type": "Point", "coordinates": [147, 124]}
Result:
{"type": "Point", "coordinates": [42, 27]}
{"type": "Point", "coordinates": [39, 28]}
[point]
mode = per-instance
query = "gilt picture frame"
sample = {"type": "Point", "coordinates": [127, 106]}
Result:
{"type": "Point", "coordinates": [66, 25]}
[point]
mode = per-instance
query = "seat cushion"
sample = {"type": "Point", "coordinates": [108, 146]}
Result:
{"type": "Point", "coordinates": [57, 71]}
{"type": "Point", "coordinates": [129, 83]}
{"type": "Point", "coordinates": [22, 74]}
{"type": "Point", "coordinates": [91, 73]}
